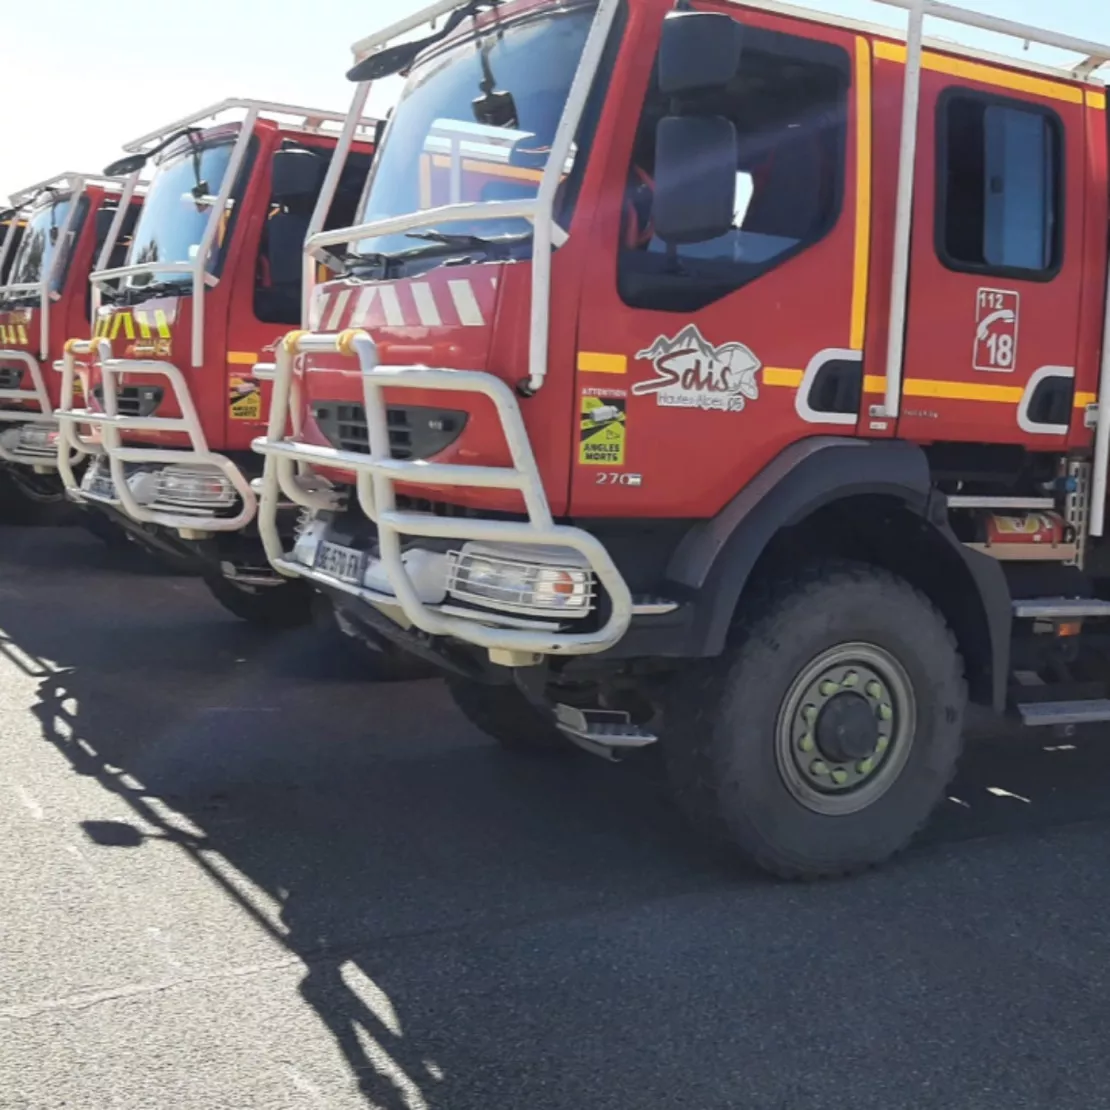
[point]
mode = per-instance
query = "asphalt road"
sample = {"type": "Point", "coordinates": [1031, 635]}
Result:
{"type": "Point", "coordinates": [235, 875]}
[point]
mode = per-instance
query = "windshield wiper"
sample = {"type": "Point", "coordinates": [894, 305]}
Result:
{"type": "Point", "coordinates": [134, 294]}
{"type": "Point", "coordinates": [500, 245]}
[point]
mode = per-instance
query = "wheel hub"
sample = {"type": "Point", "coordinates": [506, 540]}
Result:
{"type": "Point", "coordinates": [845, 728]}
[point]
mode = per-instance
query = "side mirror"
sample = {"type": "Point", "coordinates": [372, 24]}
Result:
{"type": "Point", "coordinates": [699, 50]}
{"type": "Point", "coordinates": [695, 178]}
{"type": "Point", "coordinates": [125, 167]}
{"type": "Point", "coordinates": [296, 175]}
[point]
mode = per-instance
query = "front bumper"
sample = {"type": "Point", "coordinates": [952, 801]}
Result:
{"type": "Point", "coordinates": [411, 589]}
{"type": "Point", "coordinates": [216, 483]}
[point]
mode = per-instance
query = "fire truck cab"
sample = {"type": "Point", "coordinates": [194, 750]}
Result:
{"type": "Point", "coordinates": [162, 396]}
{"type": "Point", "coordinates": [726, 376]}
{"type": "Point", "coordinates": [55, 233]}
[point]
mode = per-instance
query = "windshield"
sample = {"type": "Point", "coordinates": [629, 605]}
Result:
{"type": "Point", "coordinates": [175, 213]}
{"type": "Point", "coordinates": [456, 136]}
{"type": "Point", "coordinates": [42, 239]}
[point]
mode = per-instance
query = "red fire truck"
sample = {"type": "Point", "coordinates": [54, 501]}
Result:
{"type": "Point", "coordinates": [54, 233]}
{"type": "Point", "coordinates": [212, 278]}
{"type": "Point", "coordinates": [724, 375]}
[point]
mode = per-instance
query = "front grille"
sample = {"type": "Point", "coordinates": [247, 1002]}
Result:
{"type": "Point", "coordinates": [134, 400]}
{"type": "Point", "coordinates": [415, 432]}
{"type": "Point", "coordinates": [11, 377]}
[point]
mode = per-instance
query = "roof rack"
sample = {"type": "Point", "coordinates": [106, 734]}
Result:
{"type": "Point", "coordinates": [308, 120]}
{"type": "Point", "coordinates": [66, 183]}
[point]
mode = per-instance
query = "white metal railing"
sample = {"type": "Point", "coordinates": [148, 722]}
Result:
{"type": "Point", "coordinates": [112, 425]}
{"type": "Point", "coordinates": [310, 121]}
{"type": "Point", "coordinates": [288, 460]}
{"type": "Point", "coordinates": [377, 474]}
{"type": "Point", "coordinates": [38, 393]}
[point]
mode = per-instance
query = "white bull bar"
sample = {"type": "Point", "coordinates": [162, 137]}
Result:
{"type": "Point", "coordinates": [112, 425]}
{"type": "Point", "coordinates": [42, 458]}
{"type": "Point", "coordinates": [377, 474]}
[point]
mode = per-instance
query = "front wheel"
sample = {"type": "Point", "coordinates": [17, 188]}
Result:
{"type": "Point", "coordinates": [286, 605]}
{"type": "Point", "coordinates": [822, 741]}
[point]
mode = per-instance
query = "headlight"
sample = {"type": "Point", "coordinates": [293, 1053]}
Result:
{"type": "Point", "coordinates": [37, 437]}
{"type": "Point", "coordinates": [535, 581]}
{"type": "Point", "coordinates": [197, 487]}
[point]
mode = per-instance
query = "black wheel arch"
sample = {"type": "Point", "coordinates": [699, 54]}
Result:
{"type": "Point", "coordinates": [867, 499]}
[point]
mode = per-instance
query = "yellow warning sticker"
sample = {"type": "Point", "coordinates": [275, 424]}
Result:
{"type": "Point", "coordinates": [604, 420]}
{"type": "Point", "coordinates": [245, 399]}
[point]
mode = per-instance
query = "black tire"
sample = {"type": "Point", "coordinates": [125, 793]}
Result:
{"type": "Point", "coordinates": [113, 536]}
{"type": "Point", "coordinates": [288, 605]}
{"type": "Point", "coordinates": [381, 661]}
{"type": "Point", "coordinates": [503, 713]}
{"type": "Point", "coordinates": [33, 499]}
{"type": "Point", "coordinates": [737, 731]}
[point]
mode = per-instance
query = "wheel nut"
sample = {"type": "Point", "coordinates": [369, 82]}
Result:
{"type": "Point", "coordinates": [874, 690]}
{"type": "Point", "coordinates": [886, 713]}
{"type": "Point", "coordinates": [820, 768]}
{"type": "Point", "coordinates": [866, 767]}
{"type": "Point", "coordinates": [828, 688]}
{"type": "Point", "coordinates": [807, 743]}
{"type": "Point", "coordinates": [809, 714]}
{"type": "Point", "coordinates": [850, 679]}
{"type": "Point", "coordinates": [840, 777]}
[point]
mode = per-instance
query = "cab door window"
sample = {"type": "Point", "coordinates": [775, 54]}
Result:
{"type": "Point", "coordinates": [278, 277]}
{"type": "Point", "coordinates": [1000, 188]}
{"type": "Point", "coordinates": [788, 103]}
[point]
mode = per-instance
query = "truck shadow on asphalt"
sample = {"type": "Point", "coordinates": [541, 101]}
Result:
{"type": "Point", "coordinates": [374, 819]}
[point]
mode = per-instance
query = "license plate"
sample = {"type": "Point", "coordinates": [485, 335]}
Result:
{"type": "Point", "coordinates": [344, 563]}
{"type": "Point", "coordinates": [99, 484]}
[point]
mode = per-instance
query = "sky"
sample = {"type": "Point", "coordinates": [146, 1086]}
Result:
{"type": "Point", "coordinates": [79, 79]}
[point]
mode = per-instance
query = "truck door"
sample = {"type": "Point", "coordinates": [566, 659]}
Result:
{"type": "Point", "coordinates": [996, 268]}
{"type": "Point", "coordinates": [697, 364]}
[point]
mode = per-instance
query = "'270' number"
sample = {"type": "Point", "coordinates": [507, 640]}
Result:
{"type": "Point", "coordinates": [617, 478]}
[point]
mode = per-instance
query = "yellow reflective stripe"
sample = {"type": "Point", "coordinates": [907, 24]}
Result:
{"type": "Point", "coordinates": [242, 358]}
{"type": "Point", "coordinates": [143, 322]}
{"type": "Point", "coordinates": [1096, 100]}
{"type": "Point", "coordinates": [776, 375]}
{"type": "Point", "coordinates": [862, 266]}
{"type": "Point", "coordinates": [123, 320]}
{"type": "Point", "coordinates": [984, 74]}
{"type": "Point", "coordinates": [22, 334]}
{"type": "Point", "coordinates": [927, 387]}
{"type": "Point", "coordinates": [595, 362]}
{"type": "Point", "coordinates": [161, 323]}
{"type": "Point", "coordinates": [962, 391]}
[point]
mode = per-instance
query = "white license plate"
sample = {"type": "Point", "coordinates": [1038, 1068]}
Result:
{"type": "Point", "coordinates": [99, 484]}
{"type": "Point", "coordinates": [344, 563]}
